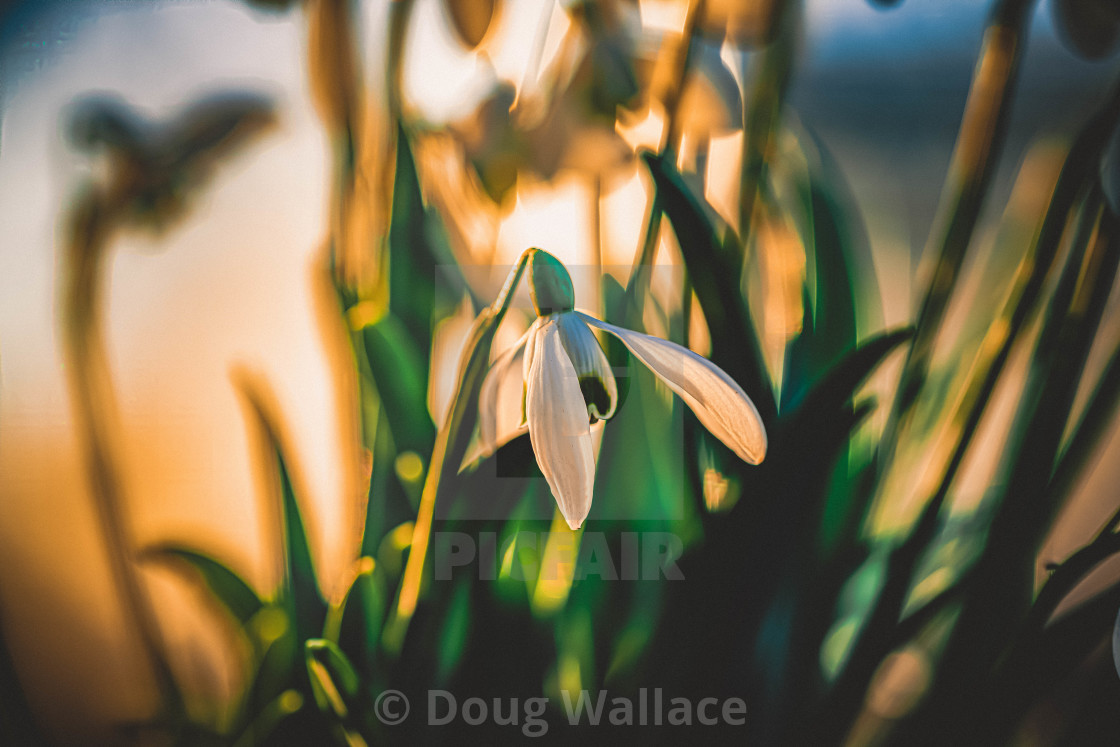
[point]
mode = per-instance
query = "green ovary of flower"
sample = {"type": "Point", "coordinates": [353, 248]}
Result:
{"type": "Point", "coordinates": [550, 285]}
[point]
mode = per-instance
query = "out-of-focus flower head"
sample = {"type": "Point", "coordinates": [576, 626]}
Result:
{"type": "Point", "coordinates": [471, 18]}
{"type": "Point", "coordinates": [490, 141]}
{"type": "Point", "coordinates": [151, 169]}
{"type": "Point", "coordinates": [563, 118]}
{"type": "Point", "coordinates": [710, 103]}
{"type": "Point", "coordinates": [742, 22]}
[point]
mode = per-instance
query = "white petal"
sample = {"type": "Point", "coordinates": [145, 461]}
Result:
{"type": "Point", "coordinates": [720, 404]}
{"type": "Point", "coordinates": [531, 345]}
{"type": "Point", "coordinates": [558, 425]}
{"type": "Point", "coordinates": [590, 363]}
{"type": "Point", "coordinates": [501, 399]}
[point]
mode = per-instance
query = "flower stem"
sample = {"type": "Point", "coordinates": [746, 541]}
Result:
{"type": "Point", "coordinates": [451, 444]}
{"type": "Point", "coordinates": [95, 411]}
{"type": "Point", "coordinates": [762, 112]}
{"type": "Point", "coordinates": [638, 284]}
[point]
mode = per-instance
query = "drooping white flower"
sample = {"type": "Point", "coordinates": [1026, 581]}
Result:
{"type": "Point", "coordinates": [556, 382]}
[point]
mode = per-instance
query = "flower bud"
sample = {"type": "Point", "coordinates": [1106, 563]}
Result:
{"type": "Point", "coordinates": [550, 285]}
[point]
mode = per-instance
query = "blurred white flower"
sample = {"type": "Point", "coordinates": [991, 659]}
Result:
{"type": "Point", "coordinates": [560, 375]}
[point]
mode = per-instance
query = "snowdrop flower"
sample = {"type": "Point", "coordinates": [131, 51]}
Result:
{"type": "Point", "coordinates": [556, 382]}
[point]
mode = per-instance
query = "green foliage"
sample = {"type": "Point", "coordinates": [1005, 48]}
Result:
{"type": "Point", "coordinates": [236, 596]}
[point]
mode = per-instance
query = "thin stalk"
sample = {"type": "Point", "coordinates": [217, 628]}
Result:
{"type": "Point", "coordinates": [638, 286]}
{"type": "Point", "coordinates": [595, 235]}
{"type": "Point", "coordinates": [95, 411]}
{"type": "Point", "coordinates": [336, 87]}
{"type": "Point", "coordinates": [451, 443]}
{"type": "Point", "coordinates": [762, 112]}
{"type": "Point", "coordinates": [671, 133]}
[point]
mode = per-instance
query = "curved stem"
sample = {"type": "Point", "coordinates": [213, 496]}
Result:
{"type": "Point", "coordinates": [451, 444]}
{"type": "Point", "coordinates": [95, 411]}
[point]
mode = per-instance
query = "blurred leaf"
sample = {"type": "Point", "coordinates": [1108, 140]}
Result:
{"type": "Point", "coordinates": [273, 631]}
{"type": "Point", "coordinates": [714, 270]}
{"type": "Point", "coordinates": [980, 142]}
{"type": "Point", "coordinates": [305, 603]}
{"type": "Point", "coordinates": [1037, 661]}
{"type": "Point", "coordinates": [883, 632]}
{"type": "Point", "coordinates": [401, 375]}
{"type": "Point", "coordinates": [763, 106]}
{"type": "Point", "coordinates": [710, 103]}
{"type": "Point", "coordinates": [854, 604]}
{"type": "Point", "coordinates": [1072, 637]}
{"type": "Point", "coordinates": [332, 625]}
{"type": "Point", "coordinates": [420, 263]}
{"type": "Point", "coordinates": [1000, 585]}
{"type": "Point", "coordinates": [842, 381]}
{"type": "Point", "coordinates": [371, 593]}
{"type": "Point", "coordinates": [743, 22]}
{"type": "Point", "coordinates": [1073, 317]}
{"type": "Point", "coordinates": [1097, 415]}
{"type": "Point", "coordinates": [389, 502]}
{"type": "Point", "coordinates": [334, 683]}
{"type": "Point", "coordinates": [1069, 574]}
{"type": "Point", "coordinates": [1035, 267]}
{"type": "Point", "coordinates": [454, 632]}
{"type": "Point", "coordinates": [837, 240]}
{"type": "Point", "coordinates": [226, 586]}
